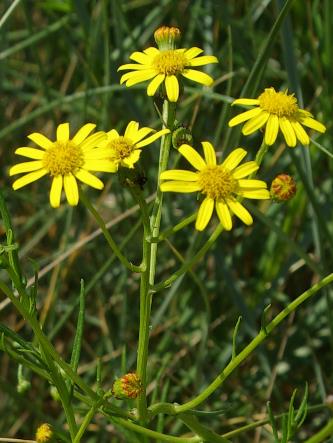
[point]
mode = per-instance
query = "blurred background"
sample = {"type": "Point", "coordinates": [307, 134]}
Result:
{"type": "Point", "coordinates": [58, 63]}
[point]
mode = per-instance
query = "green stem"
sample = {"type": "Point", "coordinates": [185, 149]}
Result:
{"type": "Point", "coordinates": [261, 153]}
{"type": "Point", "coordinates": [149, 261]}
{"type": "Point", "coordinates": [168, 115]}
{"type": "Point", "coordinates": [186, 221]}
{"type": "Point", "coordinates": [262, 335]}
{"type": "Point", "coordinates": [87, 419]}
{"type": "Point", "coordinates": [145, 300]}
{"type": "Point", "coordinates": [157, 436]}
{"type": "Point", "coordinates": [44, 342]}
{"type": "Point", "coordinates": [207, 434]}
{"type": "Point", "coordinates": [60, 384]}
{"type": "Point", "coordinates": [85, 200]}
{"type": "Point", "coordinates": [326, 431]}
{"type": "Point", "coordinates": [55, 376]}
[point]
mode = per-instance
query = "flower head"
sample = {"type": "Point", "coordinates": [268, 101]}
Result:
{"type": "Point", "coordinates": [124, 150]}
{"type": "Point", "coordinates": [44, 433]}
{"type": "Point", "coordinates": [127, 386]}
{"type": "Point", "coordinates": [283, 188]}
{"type": "Point", "coordinates": [167, 37]}
{"type": "Point", "coordinates": [166, 66]}
{"type": "Point", "coordinates": [64, 160]}
{"type": "Point", "coordinates": [276, 110]}
{"type": "Point", "coordinates": [221, 184]}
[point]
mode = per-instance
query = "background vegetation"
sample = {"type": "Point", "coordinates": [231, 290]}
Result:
{"type": "Point", "coordinates": [59, 62]}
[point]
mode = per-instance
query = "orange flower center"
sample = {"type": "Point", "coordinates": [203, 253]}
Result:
{"type": "Point", "coordinates": [278, 103]}
{"type": "Point", "coordinates": [217, 182]}
{"type": "Point", "coordinates": [63, 158]}
{"type": "Point", "coordinates": [170, 62]}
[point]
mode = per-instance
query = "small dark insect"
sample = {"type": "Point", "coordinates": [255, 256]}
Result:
{"type": "Point", "coordinates": [140, 180]}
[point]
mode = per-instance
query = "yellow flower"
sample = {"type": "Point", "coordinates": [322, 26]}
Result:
{"type": "Point", "coordinates": [44, 433]}
{"type": "Point", "coordinates": [65, 160]}
{"type": "Point", "coordinates": [276, 110]}
{"type": "Point", "coordinates": [166, 66]}
{"type": "Point", "coordinates": [125, 150]}
{"type": "Point", "coordinates": [220, 184]}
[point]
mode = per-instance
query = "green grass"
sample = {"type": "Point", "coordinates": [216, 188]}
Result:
{"type": "Point", "coordinates": [58, 62]}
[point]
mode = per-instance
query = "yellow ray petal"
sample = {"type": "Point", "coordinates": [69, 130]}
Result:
{"type": "Point", "coordinates": [131, 130]}
{"type": "Point", "coordinates": [179, 174]}
{"type": "Point", "coordinates": [192, 52]}
{"type": "Point", "coordinates": [71, 189]}
{"type": "Point", "coordinates": [83, 133]}
{"type": "Point", "coordinates": [97, 154]}
{"type": "Point", "coordinates": [151, 51]}
{"type": "Point", "coordinates": [26, 167]}
{"type": "Point", "coordinates": [223, 214]}
{"type": "Point", "coordinates": [89, 179]}
{"type": "Point", "coordinates": [272, 129]}
{"type": "Point", "coordinates": [247, 115]}
{"type": "Point", "coordinates": [28, 178]}
{"type": "Point", "coordinates": [172, 87]}
{"type": "Point", "coordinates": [240, 212]}
{"type": "Point", "coordinates": [209, 152]}
{"type": "Point", "coordinates": [40, 140]}
{"type": "Point", "coordinates": [287, 131]}
{"type": "Point", "coordinates": [198, 76]}
{"type": "Point", "coordinates": [245, 170]}
{"type": "Point", "coordinates": [192, 157]}
{"type": "Point", "coordinates": [234, 158]}
{"type": "Point", "coordinates": [93, 141]}
{"type": "Point", "coordinates": [63, 132]}
{"type": "Point", "coordinates": [250, 183]}
{"type": "Point", "coordinates": [142, 133]}
{"type": "Point", "coordinates": [130, 161]}
{"type": "Point", "coordinates": [255, 123]}
{"type": "Point", "coordinates": [204, 60]}
{"type": "Point", "coordinates": [313, 124]}
{"type": "Point", "coordinates": [132, 66]}
{"type": "Point", "coordinates": [140, 76]}
{"type": "Point", "coordinates": [204, 214]}
{"type": "Point", "coordinates": [259, 194]}
{"type": "Point", "coordinates": [127, 76]}
{"type": "Point", "coordinates": [100, 165]}
{"type": "Point", "coordinates": [300, 133]}
{"type": "Point", "coordinates": [140, 57]}
{"type": "Point", "coordinates": [55, 192]}
{"type": "Point", "coordinates": [152, 138]}
{"type": "Point", "coordinates": [245, 101]}
{"type": "Point", "coordinates": [34, 153]}
{"type": "Point", "coordinates": [154, 84]}
{"type": "Point", "coordinates": [112, 134]}
{"type": "Point", "coordinates": [180, 186]}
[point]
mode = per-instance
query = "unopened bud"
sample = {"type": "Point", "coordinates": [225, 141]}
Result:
{"type": "Point", "coordinates": [181, 136]}
{"type": "Point", "coordinates": [44, 433]}
{"type": "Point", "coordinates": [167, 37]}
{"type": "Point", "coordinates": [127, 386]}
{"type": "Point", "coordinates": [283, 188]}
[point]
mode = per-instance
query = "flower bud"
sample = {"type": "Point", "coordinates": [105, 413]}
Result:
{"type": "Point", "coordinates": [44, 433]}
{"type": "Point", "coordinates": [181, 136]}
{"type": "Point", "coordinates": [167, 37]}
{"type": "Point", "coordinates": [283, 188]}
{"type": "Point", "coordinates": [127, 386]}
